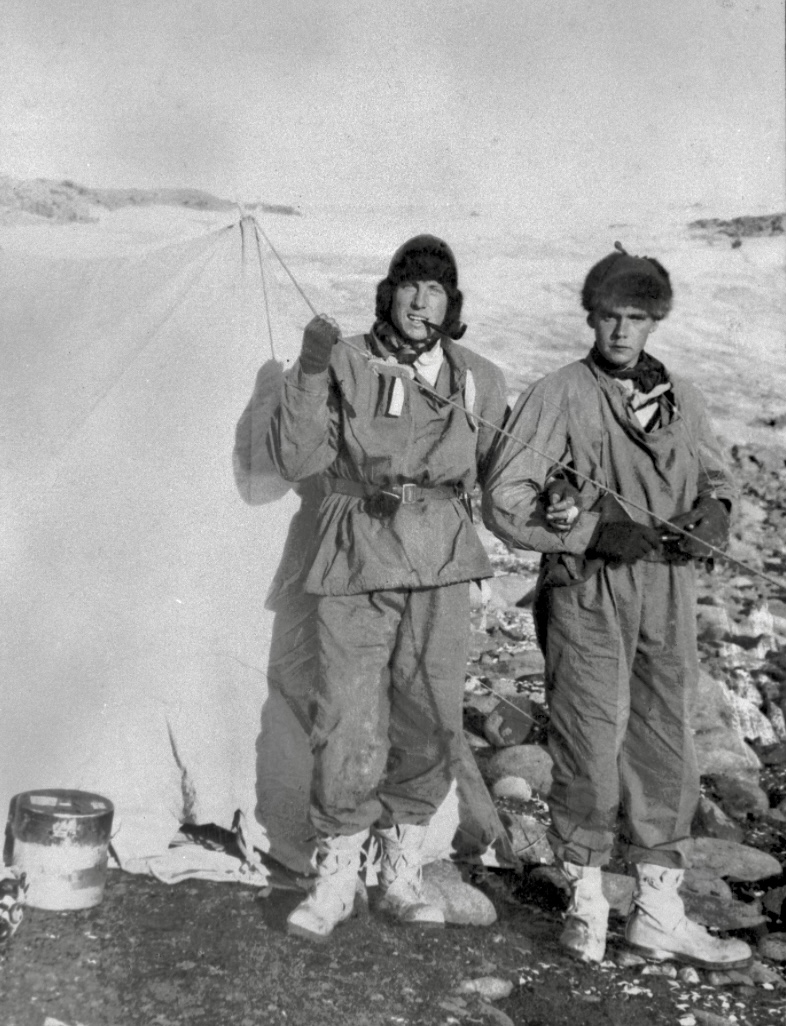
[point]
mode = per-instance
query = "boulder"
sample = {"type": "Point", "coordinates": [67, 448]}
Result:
{"type": "Point", "coordinates": [711, 821]}
{"type": "Point", "coordinates": [763, 974]}
{"type": "Point", "coordinates": [775, 901]}
{"type": "Point", "coordinates": [713, 857]}
{"type": "Point", "coordinates": [740, 797]}
{"type": "Point", "coordinates": [753, 724]}
{"type": "Point", "coordinates": [532, 762]}
{"type": "Point", "coordinates": [773, 946]}
{"type": "Point", "coordinates": [713, 707]}
{"type": "Point", "coordinates": [722, 750]}
{"type": "Point", "coordinates": [528, 662]}
{"type": "Point", "coordinates": [720, 747]}
{"type": "Point", "coordinates": [512, 787]}
{"type": "Point", "coordinates": [698, 883]}
{"type": "Point", "coordinates": [722, 913]}
{"type": "Point", "coordinates": [713, 622]}
{"type": "Point", "coordinates": [774, 755]}
{"type": "Point", "coordinates": [460, 902]}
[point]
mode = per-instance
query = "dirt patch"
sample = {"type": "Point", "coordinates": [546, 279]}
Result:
{"type": "Point", "coordinates": [210, 954]}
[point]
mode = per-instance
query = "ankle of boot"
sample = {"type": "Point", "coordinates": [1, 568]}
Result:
{"type": "Point", "coordinates": [661, 878]}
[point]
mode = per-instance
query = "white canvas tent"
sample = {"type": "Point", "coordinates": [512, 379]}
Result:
{"type": "Point", "coordinates": [136, 641]}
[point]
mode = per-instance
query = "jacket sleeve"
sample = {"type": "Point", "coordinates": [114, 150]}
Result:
{"type": "Point", "coordinates": [302, 439]}
{"type": "Point", "coordinates": [535, 442]}
{"type": "Point", "coordinates": [494, 411]}
{"type": "Point", "coordinates": [256, 475]}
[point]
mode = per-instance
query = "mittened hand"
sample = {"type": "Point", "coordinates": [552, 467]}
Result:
{"type": "Point", "coordinates": [622, 542]}
{"type": "Point", "coordinates": [707, 524]}
{"type": "Point", "coordinates": [320, 336]}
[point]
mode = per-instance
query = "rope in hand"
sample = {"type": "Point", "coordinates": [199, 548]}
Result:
{"type": "Point", "coordinates": [425, 388]}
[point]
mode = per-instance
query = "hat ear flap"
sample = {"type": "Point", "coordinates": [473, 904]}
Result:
{"type": "Point", "coordinates": [452, 323]}
{"type": "Point", "coordinates": [384, 302]}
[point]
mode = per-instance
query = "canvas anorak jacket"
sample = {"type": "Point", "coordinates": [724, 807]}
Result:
{"type": "Point", "coordinates": [344, 424]}
{"type": "Point", "coordinates": [580, 417]}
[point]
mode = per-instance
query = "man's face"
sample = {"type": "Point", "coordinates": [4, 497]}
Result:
{"type": "Point", "coordinates": [414, 302]}
{"type": "Point", "coordinates": [621, 332]}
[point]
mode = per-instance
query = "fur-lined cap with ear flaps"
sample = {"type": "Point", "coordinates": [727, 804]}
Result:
{"type": "Point", "coordinates": [620, 279]}
{"type": "Point", "coordinates": [423, 258]}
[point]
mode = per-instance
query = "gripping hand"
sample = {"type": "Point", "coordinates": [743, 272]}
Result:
{"type": "Point", "coordinates": [562, 501]}
{"type": "Point", "coordinates": [320, 336]}
{"type": "Point", "coordinates": [707, 523]}
{"type": "Point", "coordinates": [622, 542]}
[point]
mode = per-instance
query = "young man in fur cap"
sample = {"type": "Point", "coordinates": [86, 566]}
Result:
{"type": "Point", "coordinates": [392, 559]}
{"type": "Point", "coordinates": [612, 448]}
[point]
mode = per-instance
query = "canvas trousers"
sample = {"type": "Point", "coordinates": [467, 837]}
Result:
{"type": "Point", "coordinates": [621, 678]}
{"type": "Point", "coordinates": [388, 705]}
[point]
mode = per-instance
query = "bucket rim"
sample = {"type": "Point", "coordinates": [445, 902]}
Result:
{"type": "Point", "coordinates": [70, 803]}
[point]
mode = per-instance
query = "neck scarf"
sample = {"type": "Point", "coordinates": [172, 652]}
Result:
{"type": "Point", "coordinates": [392, 344]}
{"type": "Point", "coordinates": [647, 373]}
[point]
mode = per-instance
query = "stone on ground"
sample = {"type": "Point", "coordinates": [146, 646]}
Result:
{"type": "Point", "coordinates": [460, 902]}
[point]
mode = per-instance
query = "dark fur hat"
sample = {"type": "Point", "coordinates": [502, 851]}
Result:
{"type": "Point", "coordinates": [423, 258]}
{"type": "Point", "coordinates": [620, 279]}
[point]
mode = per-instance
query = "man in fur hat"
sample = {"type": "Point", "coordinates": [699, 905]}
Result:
{"type": "Point", "coordinates": [607, 452]}
{"type": "Point", "coordinates": [393, 555]}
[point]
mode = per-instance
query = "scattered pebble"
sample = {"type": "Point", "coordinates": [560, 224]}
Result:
{"type": "Point", "coordinates": [661, 969]}
{"type": "Point", "coordinates": [631, 989]}
{"type": "Point", "coordinates": [492, 988]}
{"type": "Point", "coordinates": [705, 1018]}
{"type": "Point", "coordinates": [626, 959]}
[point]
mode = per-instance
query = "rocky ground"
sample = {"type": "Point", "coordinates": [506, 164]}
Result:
{"type": "Point", "coordinates": [206, 953]}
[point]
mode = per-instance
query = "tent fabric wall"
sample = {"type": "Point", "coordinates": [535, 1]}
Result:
{"type": "Point", "coordinates": [135, 636]}
{"type": "Point", "coordinates": [136, 559]}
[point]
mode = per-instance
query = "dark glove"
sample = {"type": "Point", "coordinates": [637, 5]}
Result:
{"type": "Point", "coordinates": [708, 524]}
{"type": "Point", "coordinates": [622, 541]}
{"type": "Point", "coordinates": [558, 488]}
{"type": "Point", "coordinates": [320, 336]}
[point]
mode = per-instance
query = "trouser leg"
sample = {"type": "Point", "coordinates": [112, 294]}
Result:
{"type": "Point", "coordinates": [658, 767]}
{"type": "Point", "coordinates": [349, 739]}
{"type": "Point", "coordinates": [585, 633]}
{"type": "Point", "coordinates": [389, 705]}
{"type": "Point", "coordinates": [621, 670]}
{"type": "Point", "coordinates": [284, 764]}
{"type": "Point", "coordinates": [427, 689]}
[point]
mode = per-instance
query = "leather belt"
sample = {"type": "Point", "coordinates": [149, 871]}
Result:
{"type": "Point", "coordinates": [402, 493]}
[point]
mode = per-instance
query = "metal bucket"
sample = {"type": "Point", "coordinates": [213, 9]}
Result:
{"type": "Point", "coordinates": [60, 840]}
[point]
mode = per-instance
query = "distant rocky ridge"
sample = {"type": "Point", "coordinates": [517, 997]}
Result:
{"type": "Point", "coordinates": [65, 201]}
{"type": "Point", "coordinates": [741, 227]}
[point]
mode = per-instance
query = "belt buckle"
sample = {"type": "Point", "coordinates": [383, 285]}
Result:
{"type": "Point", "coordinates": [408, 494]}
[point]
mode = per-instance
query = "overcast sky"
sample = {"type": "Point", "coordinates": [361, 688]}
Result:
{"type": "Point", "coordinates": [619, 105]}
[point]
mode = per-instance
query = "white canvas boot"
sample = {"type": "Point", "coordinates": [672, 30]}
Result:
{"type": "Point", "coordinates": [401, 876]}
{"type": "Point", "coordinates": [659, 929]}
{"type": "Point", "coordinates": [587, 918]}
{"type": "Point", "coordinates": [332, 897]}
